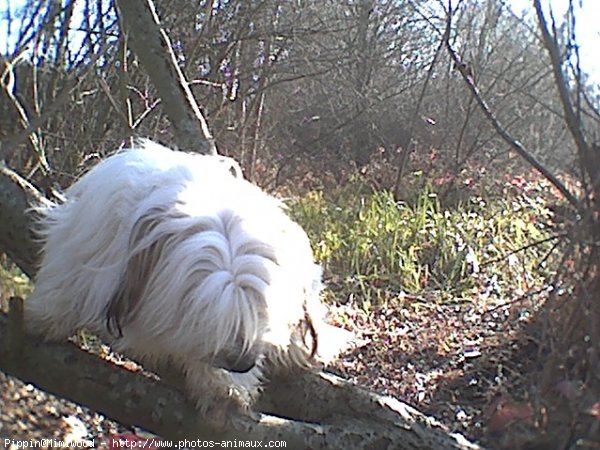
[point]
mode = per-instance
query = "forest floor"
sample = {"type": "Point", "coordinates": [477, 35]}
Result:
{"type": "Point", "coordinates": [476, 364]}
{"type": "Point", "coordinates": [462, 363]}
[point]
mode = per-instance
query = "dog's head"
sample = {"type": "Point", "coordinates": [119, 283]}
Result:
{"type": "Point", "coordinates": [222, 284]}
{"type": "Point", "coordinates": [215, 281]}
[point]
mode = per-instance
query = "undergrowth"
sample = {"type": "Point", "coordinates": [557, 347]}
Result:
{"type": "Point", "coordinates": [375, 249]}
{"type": "Point", "coordinates": [13, 283]}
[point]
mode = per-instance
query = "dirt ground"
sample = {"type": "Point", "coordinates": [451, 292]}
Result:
{"type": "Point", "coordinates": [462, 363]}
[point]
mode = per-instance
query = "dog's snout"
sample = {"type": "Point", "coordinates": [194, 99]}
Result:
{"type": "Point", "coordinates": [242, 365]}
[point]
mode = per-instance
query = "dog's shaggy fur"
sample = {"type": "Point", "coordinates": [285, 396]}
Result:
{"type": "Point", "coordinates": [173, 258]}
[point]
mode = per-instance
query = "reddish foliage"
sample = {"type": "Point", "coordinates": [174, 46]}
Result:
{"type": "Point", "coordinates": [595, 410]}
{"type": "Point", "coordinates": [505, 412]}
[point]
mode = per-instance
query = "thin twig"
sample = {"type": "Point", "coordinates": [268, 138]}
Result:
{"type": "Point", "coordinates": [500, 129]}
{"type": "Point", "coordinates": [526, 247]}
{"type": "Point", "coordinates": [520, 298]}
{"type": "Point", "coordinates": [573, 122]}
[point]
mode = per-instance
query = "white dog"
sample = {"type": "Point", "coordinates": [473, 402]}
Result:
{"type": "Point", "coordinates": [173, 258]}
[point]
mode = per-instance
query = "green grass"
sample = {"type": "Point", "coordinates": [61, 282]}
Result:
{"type": "Point", "coordinates": [13, 283]}
{"type": "Point", "coordinates": [374, 248]}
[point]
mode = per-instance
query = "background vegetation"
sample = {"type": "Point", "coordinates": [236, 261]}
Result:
{"type": "Point", "coordinates": [442, 248]}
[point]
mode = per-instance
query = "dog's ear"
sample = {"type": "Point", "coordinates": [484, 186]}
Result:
{"type": "Point", "coordinates": [309, 329]}
{"type": "Point", "coordinates": [138, 271]}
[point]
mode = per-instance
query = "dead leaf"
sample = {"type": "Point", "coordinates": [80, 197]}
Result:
{"type": "Point", "coordinates": [506, 412]}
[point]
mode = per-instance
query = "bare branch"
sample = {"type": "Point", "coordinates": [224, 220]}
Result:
{"type": "Point", "coordinates": [7, 81]}
{"type": "Point", "coordinates": [153, 48]}
{"type": "Point", "coordinates": [588, 158]}
{"type": "Point", "coordinates": [501, 130]}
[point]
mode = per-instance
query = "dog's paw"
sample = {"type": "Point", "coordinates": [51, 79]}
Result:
{"type": "Point", "coordinates": [221, 409]}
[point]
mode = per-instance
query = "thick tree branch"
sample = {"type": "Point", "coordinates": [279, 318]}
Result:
{"type": "Point", "coordinates": [153, 48]}
{"type": "Point", "coordinates": [328, 398]}
{"type": "Point", "coordinates": [17, 195]}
